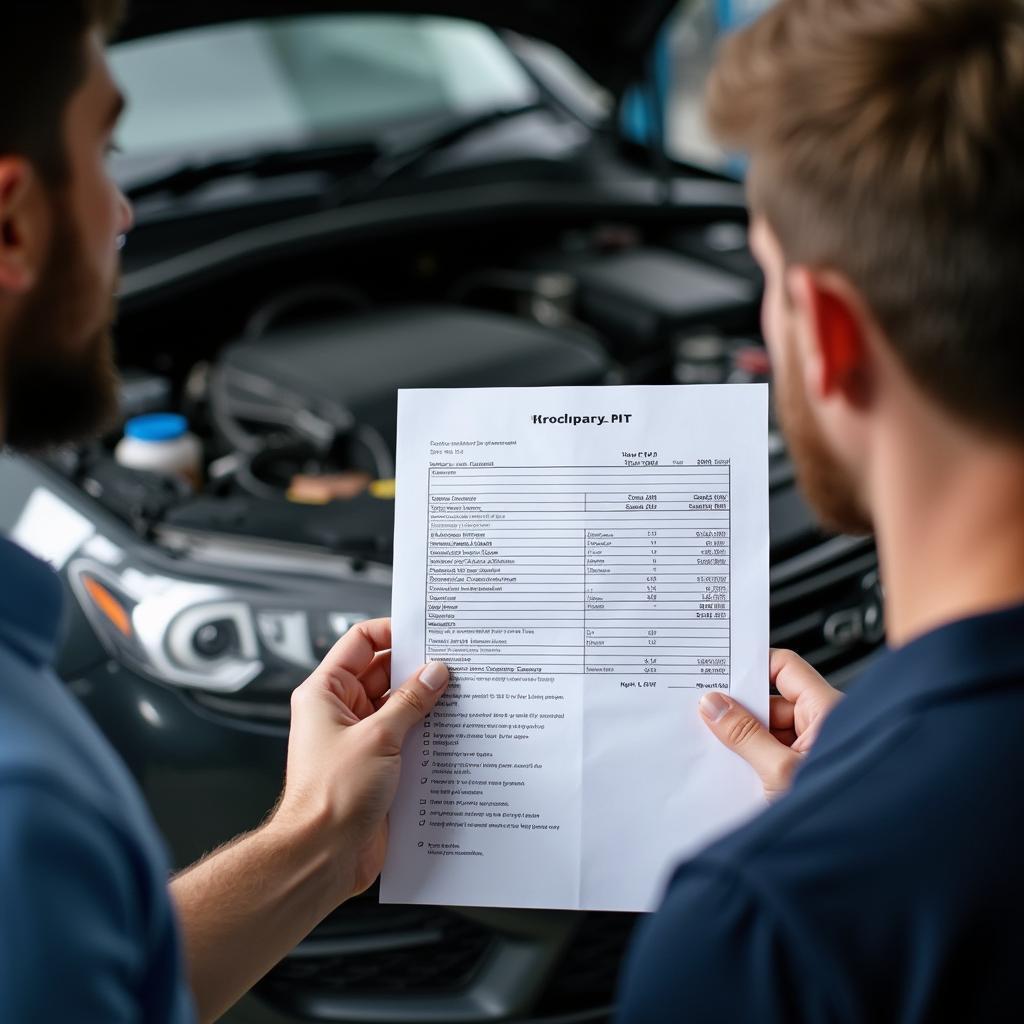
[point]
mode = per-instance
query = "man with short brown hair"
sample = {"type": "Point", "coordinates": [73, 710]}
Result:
{"type": "Point", "coordinates": [886, 186]}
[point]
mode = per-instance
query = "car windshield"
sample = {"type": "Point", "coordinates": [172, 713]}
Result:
{"type": "Point", "coordinates": [288, 81]}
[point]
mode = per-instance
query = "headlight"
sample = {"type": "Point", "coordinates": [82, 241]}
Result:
{"type": "Point", "coordinates": [203, 635]}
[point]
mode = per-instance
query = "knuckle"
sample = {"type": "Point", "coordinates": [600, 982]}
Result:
{"type": "Point", "coordinates": [739, 731]}
{"type": "Point", "coordinates": [785, 654]}
{"type": "Point", "coordinates": [334, 676]}
{"type": "Point", "coordinates": [411, 699]}
{"type": "Point", "coordinates": [299, 694]}
{"type": "Point", "coordinates": [367, 628]}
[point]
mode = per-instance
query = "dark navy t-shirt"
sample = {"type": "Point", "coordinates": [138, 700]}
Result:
{"type": "Point", "coordinates": [87, 933]}
{"type": "Point", "coordinates": [888, 886]}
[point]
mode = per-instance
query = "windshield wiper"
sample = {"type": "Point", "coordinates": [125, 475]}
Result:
{"type": "Point", "coordinates": [365, 166]}
{"type": "Point", "coordinates": [341, 159]}
{"type": "Point", "coordinates": [393, 163]}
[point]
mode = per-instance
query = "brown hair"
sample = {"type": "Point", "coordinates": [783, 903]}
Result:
{"type": "Point", "coordinates": [42, 62]}
{"type": "Point", "coordinates": [887, 142]}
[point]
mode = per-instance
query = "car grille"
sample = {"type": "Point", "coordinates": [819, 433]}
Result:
{"type": "Point", "coordinates": [369, 949]}
{"type": "Point", "coordinates": [453, 958]}
{"type": "Point", "coordinates": [409, 963]}
{"type": "Point", "coordinates": [588, 975]}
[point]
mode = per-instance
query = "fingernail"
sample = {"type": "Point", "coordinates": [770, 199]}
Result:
{"type": "Point", "coordinates": [713, 706]}
{"type": "Point", "coordinates": [434, 675]}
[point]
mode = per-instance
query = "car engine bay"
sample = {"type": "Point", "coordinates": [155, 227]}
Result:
{"type": "Point", "coordinates": [296, 406]}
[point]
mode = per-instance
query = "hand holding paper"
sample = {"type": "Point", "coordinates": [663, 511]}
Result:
{"type": "Point", "coordinates": [797, 712]}
{"type": "Point", "coordinates": [588, 562]}
{"type": "Point", "coordinates": [347, 730]}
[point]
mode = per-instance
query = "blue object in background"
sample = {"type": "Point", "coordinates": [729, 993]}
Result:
{"type": "Point", "coordinates": [644, 105]}
{"type": "Point", "coordinates": [733, 14]}
{"type": "Point", "coordinates": [157, 426]}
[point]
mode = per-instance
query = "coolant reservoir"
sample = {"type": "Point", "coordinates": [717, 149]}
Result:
{"type": "Point", "coordinates": [162, 443]}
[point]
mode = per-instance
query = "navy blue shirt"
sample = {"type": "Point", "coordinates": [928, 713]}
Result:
{"type": "Point", "coordinates": [87, 933]}
{"type": "Point", "coordinates": [888, 885]}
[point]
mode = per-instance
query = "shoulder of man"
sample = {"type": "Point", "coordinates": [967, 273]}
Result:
{"type": "Point", "coordinates": [87, 929]}
{"type": "Point", "coordinates": [86, 912]}
{"type": "Point", "coordinates": [721, 949]}
{"type": "Point", "coordinates": [47, 733]}
{"type": "Point", "coordinates": [825, 906]}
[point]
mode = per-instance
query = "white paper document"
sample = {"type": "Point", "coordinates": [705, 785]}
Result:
{"type": "Point", "coordinates": [587, 562]}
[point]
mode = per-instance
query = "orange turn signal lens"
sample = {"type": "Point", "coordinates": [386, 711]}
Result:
{"type": "Point", "coordinates": [109, 605]}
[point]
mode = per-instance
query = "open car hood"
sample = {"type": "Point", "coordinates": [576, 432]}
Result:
{"type": "Point", "coordinates": [610, 40]}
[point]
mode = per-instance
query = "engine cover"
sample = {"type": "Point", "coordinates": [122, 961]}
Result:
{"type": "Point", "coordinates": [349, 366]}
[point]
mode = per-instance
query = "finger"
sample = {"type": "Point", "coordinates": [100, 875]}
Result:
{"type": "Point", "coordinates": [406, 706]}
{"type": "Point", "coordinates": [376, 679]}
{"type": "Point", "coordinates": [804, 743]}
{"type": "Point", "coordinates": [780, 713]}
{"type": "Point", "coordinates": [319, 687]}
{"type": "Point", "coordinates": [355, 651]}
{"type": "Point", "coordinates": [363, 706]}
{"type": "Point", "coordinates": [787, 737]}
{"type": "Point", "coordinates": [792, 676]}
{"type": "Point", "coordinates": [806, 739]}
{"type": "Point", "coordinates": [345, 690]}
{"type": "Point", "coordinates": [742, 733]}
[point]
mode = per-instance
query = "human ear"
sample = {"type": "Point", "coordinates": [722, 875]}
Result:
{"type": "Point", "coordinates": [836, 354]}
{"type": "Point", "coordinates": [22, 225]}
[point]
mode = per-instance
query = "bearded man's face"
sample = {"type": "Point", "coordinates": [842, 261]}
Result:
{"type": "Point", "coordinates": [60, 387]}
{"type": "Point", "coordinates": [56, 359]}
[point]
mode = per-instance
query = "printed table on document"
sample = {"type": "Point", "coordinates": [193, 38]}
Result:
{"type": "Point", "coordinates": [594, 570]}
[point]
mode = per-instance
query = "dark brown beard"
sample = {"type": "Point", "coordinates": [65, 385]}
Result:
{"type": "Point", "coordinates": [827, 487]}
{"type": "Point", "coordinates": [58, 389]}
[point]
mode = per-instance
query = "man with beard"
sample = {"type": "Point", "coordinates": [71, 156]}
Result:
{"type": "Point", "coordinates": [886, 186]}
{"type": "Point", "coordinates": [87, 930]}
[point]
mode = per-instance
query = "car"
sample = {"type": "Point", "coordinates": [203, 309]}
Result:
{"type": "Point", "coordinates": [332, 204]}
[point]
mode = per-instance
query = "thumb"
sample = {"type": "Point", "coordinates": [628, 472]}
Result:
{"type": "Point", "coordinates": [743, 734]}
{"type": "Point", "coordinates": [406, 706]}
